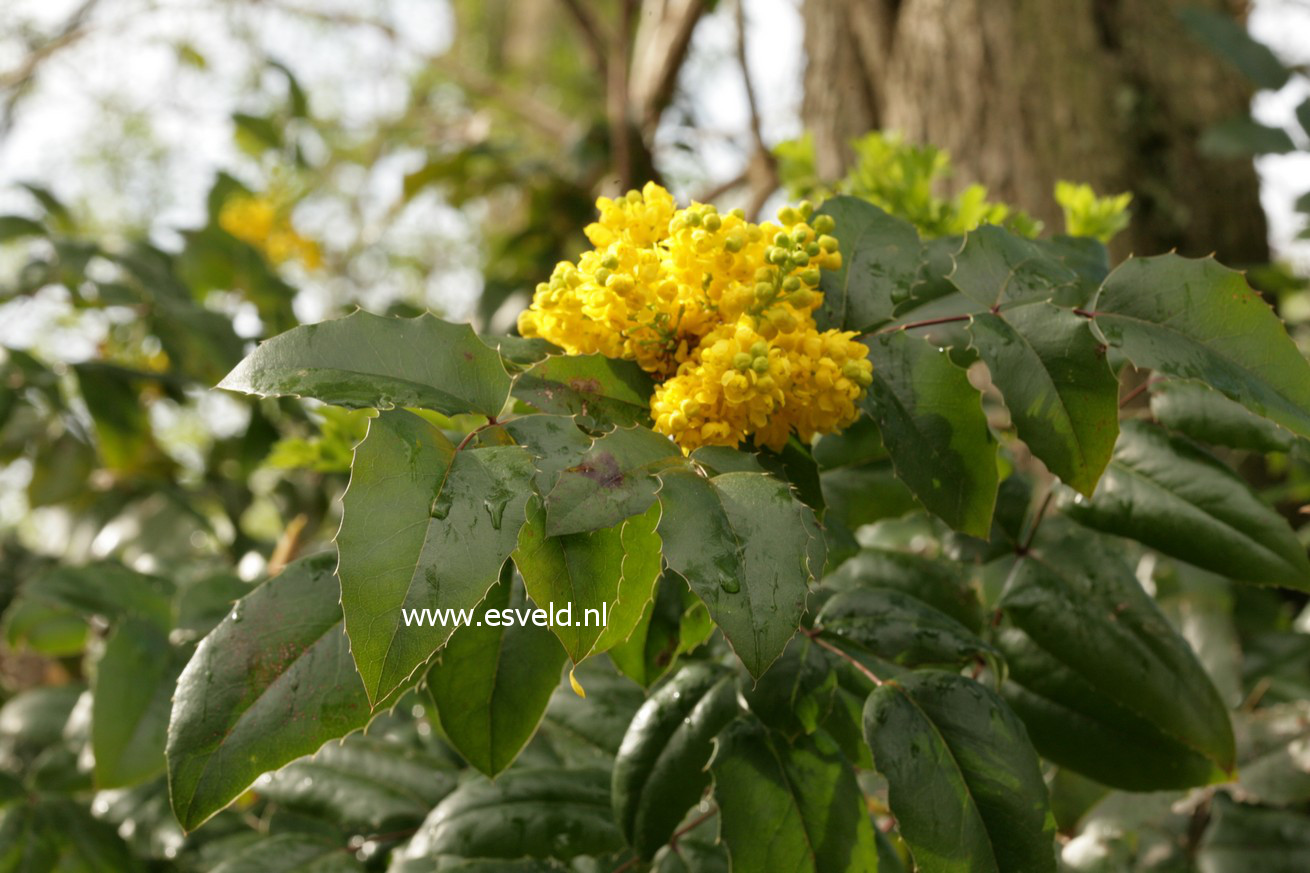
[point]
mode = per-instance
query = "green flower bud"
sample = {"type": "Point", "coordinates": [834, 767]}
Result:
{"type": "Point", "coordinates": [760, 365]}
{"type": "Point", "coordinates": [741, 361]}
{"type": "Point", "coordinates": [782, 240]}
{"type": "Point", "coordinates": [800, 259]}
{"type": "Point", "coordinates": [693, 219]}
{"type": "Point", "coordinates": [610, 261]}
{"type": "Point", "coordinates": [777, 256]}
{"type": "Point", "coordinates": [788, 215]}
{"type": "Point", "coordinates": [828, 243]}
{"type": "Point", "coordinates": [791, 283]}
{"type": "Point", "coordinates": [801, 299]}
{"type": "Point", "coordinates": [733, 243]}
{"type": "Point", "coordinates": [763, 291]}
{"type": "Point", "coordinates": [782, 320]}
{"type": "Point", "coordinates": [760, 349]}
{"type": "Point", "coordinates": [737, 212]}
{"type": "Point", "coordinates": [851, 369]}
{"type": "Point", "coordinates": [806, 208]}
{"type": "Point", "coordinates": [824, 224]}
{"type": "Point", "coordinates": [810, 277]}
{"type": "Point", "coordinates": [813, 249]}
{"type": "Point", "coordinates": [713, 222]}
{"type": "Point", "coordinates": [603, 275]}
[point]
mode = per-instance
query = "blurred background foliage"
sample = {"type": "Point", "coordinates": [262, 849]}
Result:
{"type": "Point", "coordinates": [184, 180]}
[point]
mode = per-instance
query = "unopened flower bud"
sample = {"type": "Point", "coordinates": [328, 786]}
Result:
{"type": "Point", "coordinates": [824, 224]}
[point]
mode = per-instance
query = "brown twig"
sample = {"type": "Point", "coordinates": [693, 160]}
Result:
{"type": "Point", "coordinates": [591, 33]}
{"type": "Point", "coordinates": [468, 437]}
{"type": "Point", "coordinates": [673, 840]}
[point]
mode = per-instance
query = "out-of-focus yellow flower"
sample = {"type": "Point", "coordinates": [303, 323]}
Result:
{"type": "Point", "coordinates": [720, 310]}
{"type": "Point", "coordinates": [258, 220]}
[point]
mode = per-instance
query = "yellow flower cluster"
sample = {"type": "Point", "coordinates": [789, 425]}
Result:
{"type": "Point", "coordinates": [258, 220]}
{"type": "Point", "coordinates": [718, 309]}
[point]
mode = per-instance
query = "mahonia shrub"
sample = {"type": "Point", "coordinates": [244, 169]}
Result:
{"type": "Point", "coordinates": [720, 310]}
{"type": "Point", "coordinates": [865, 519]}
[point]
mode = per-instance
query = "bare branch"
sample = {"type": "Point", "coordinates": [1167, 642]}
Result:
{"type": "Point", "coordinates": [591, 32]}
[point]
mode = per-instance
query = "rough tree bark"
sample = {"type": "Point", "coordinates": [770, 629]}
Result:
{"type": "Point", "coordinates": [1024, 92]}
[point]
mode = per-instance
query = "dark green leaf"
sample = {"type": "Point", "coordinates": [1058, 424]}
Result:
{"type": "Point", "coordinates": [526, 812]}
{"type": "Point", "coordinates": [491, 683]}
{"type": "Point", "coordinates": [366, 360]}
{"type": "Point", "coordinates": [965, 784]}
{"type": "Point", "coordinates": [107, 589]}
{"type": "Point", "coordinates": [604, 389]}
{"type": "Point", "coordinates": [612, 480]}
{"type": "Point", "coordinates": [1244, 838]}
{"type": "Point", "coordinates": [1242, 136]}
{"type": "Point", "coordinates": [1206, 415]}
{"type": "Point", "coordinates": [880, 264]}
{"type": "Point", "coordinates": [796, 693]}
{"type": "Point", "coordinates": [423, 527]}
{"type": "Point", "coordinates": [746, 547]}
{"type": "Point", "coordinates": [1083, 607]}
{"type": "Point", "coordinates": [789, 807]}
{"type": "Point", "coordinates": [996, 269]}
{"type": "Point", "coordinates": [675, 621]}
{"type": "Point", "coordinates": [56, 834]}
{"type": "Point", "coordinates": [133, 689]}
{"type": "Point", "coordinates": [902, 629]}
{"type": "Point", "coordinates": [586, 732]}
{"type": "Point", "coordinates": [16, 227]}
{"type": "Point", "coordinates": [659, 772]}
{"type": "Point", "coordinates": [933, 425]}
{"type": "Point", "coordinates": [1168, 494]}
{"type": "Point", "coordinates": [32, 721]}
{"type": "Point", "coordinates": [938, 583]}
{"type": "Point", "coordinates": [291, 853]}
{"type": "Point", "coordinates": [274, 681]}
{"type": "Point", "coordinates": [1056, 383]}
{"type": "Point", "coordinates": [1196, 319]}
{"type": "Point", "coordinates": [1227, 37]}
{"type": "Point", "coordinates": [370, 784]}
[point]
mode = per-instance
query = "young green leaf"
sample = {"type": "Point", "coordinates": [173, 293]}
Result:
{"type": "Point", "coordinates": [933, 425]}
{"type": "Point", "coordinates": [423, 527]}
{"type": "Point", "coordinates": [746, 547]}
{"type": "Point", "coordinates": [804, 793]}
{"type": "Point", "coordinates": [365, 360]}
{"type": "Point", "coordinates": [1166, 493]}
{"type": "Point", "coordinates": [659, 772]}
{"type": "Point", "coordinates": [964, 783]}
{"type": "Point", "coordinates": [491, 682]}
{"type": "Point", "coordinates": [1196, 319]}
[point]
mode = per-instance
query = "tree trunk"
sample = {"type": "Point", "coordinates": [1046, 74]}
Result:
{"type": "Point", "coordinates": [1023, 93]}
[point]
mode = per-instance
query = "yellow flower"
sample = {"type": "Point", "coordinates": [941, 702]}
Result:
{"type": "Point", "coordinates": [718, 309]}
{"type": "Point", "coordinates": [257, 220]}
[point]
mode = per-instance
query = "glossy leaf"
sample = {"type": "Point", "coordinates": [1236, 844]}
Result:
{"type": "Point", "coordinates": [612, 480]}
{"type": "Point", "coordinates": [1200, 320]}
{"type": "Point", "coordinates": [526, 812]}
{"type": "Point", "coordinates": [938, 583]}
{"type": "Point", "coordinates": [1206, 415]}
{"type": "Point", "coordinates": [491, 684]}
{"type": "Point", "coordinates": [274, 681]}
{"type": "Point", "coordinates": [748, 549]}
{"type": "Point", "coordinates": [586, 732]}
{"type": "Point", "coordinates": [1168, 494]}
{"type": "Point", "coordinates": [423, 527]}
{"type": "Point", "coordinates": [880, 264]}
{"type": "Point", "coordinates": [1082, 605]}
{"type": "Point", "coordinates": [369, 784]}
{"type": "Point", "coordinates": [933, 425]}
{"type": "Point", "coordinates": [795, 695]}
{"type": "Point", "coordinates": [604, 389]}
{"type": "Point", "coordinates": [998, 269]}
{"type": "Point", "coordinates": [964, 782]}
{"type": "Point", "coordinates": [805, 794]}
{"type": "Point", "coordinates": [902, 629]}
{"type": "Point", "coordinates": [365, 360]}
{"type": "Point", "coordinates": [659, 772]}
{"type": "Point", "coordinates": [604, 578]}
{"type": "Point", "coordinates": [1057, 385]}
{"type": "Point", "coordinates": [292, 853]}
